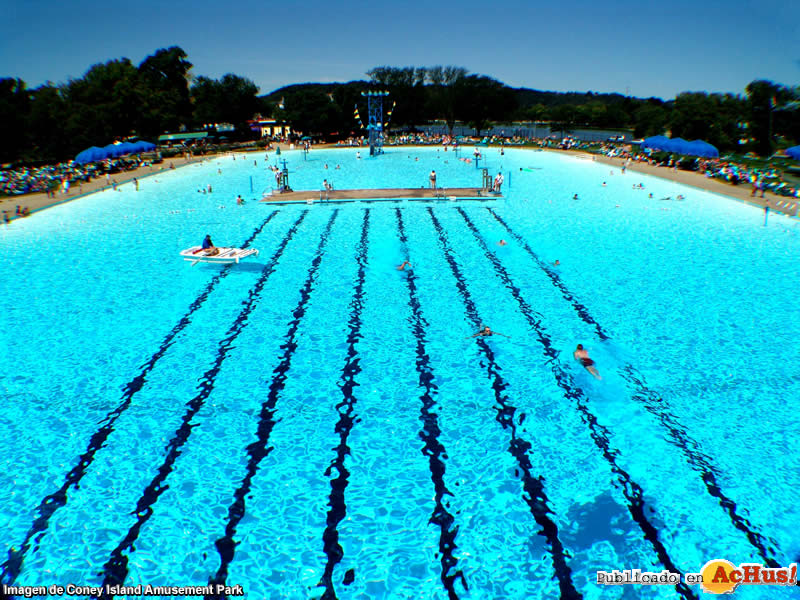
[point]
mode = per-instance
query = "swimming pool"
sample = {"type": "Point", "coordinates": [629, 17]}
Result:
{"type": "Point", "coordinates": [315, 423]}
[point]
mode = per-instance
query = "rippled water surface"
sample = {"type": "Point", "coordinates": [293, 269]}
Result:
{"type": "Point", "coordinates": [315, 423]}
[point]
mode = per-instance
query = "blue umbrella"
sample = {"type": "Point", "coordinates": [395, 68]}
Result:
{"type": "Point", "coordinates": [793, 152]}
{"type": "Point", "coordinates": [92, 154]}
{"type": "Point", "coordinates": [681, 146]}
{"type": "Point", "coordinates": [143, 146]}
{"type": "Point", "coordinates": [655, 142]}
{"type": "Point", "coordinates": [704, 149]}
{"type": "Point", "coordinates": [677, 145]}
{"type": "Point", "coordinates": [127, 147]}
{"type": "Point", "coordinates": [114, 150]}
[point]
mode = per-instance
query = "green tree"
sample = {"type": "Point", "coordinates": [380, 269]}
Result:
{"type": "Point", "coordinates": [406, 87]}
{"type": "Point", "coordinates": [762, 98]}
{"type": "Point", "coordinates": [650, 118]}
{"type": "Point", "coordinates": [786, 117]}
{"type": "Point", "coordinates": [347, 96]}
{"type": "Point", "coordinates": [313, 111]}
{"type": "Point", "coordinates": [562, 118]}
{"type": "Point", "coordinates": [536, 112]}
{"type": "Point", "coordinates": [445, 92]}
{"type": "Point", "coordinates": [207, 100]}
{"type": "Point", "coordinates": [103, 104]}
{"type": "Point", "coordinates": [231, 99]}
{"type": "Point", "coordinates": [164, 79]}
{"type": "Point", "coordinates": [714, 118]}
{"type": "Point", "coordinates": [14, 110]}
{"type": "Point", "coordinates": [47, 124]}
{"type": "Point", "coordinates": [481, 100]}
{"type": "Point", "coordinates": [692, 114]}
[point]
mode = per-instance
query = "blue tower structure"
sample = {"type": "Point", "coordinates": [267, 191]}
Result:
{"type": "Point", "coordinates": [375, 124]}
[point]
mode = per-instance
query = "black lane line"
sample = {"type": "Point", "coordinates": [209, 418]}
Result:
{"type": "Point", "coordinates": [518, 447]}
{"type": "Point", "coordinates": [659, 408]}
{"type": "Point", "coordinates": [700, 461]}
{"type": "Point", "coordinates": [582, 311]}
{"type": "Point", "coordinates": [347, 418]}
{"type": "Point", "coordinates": [429, 434]}
{"type": "Point", "coordinates": [599, 433]}
{"type": "Point", "coordinates": [258, 449]}
{"type": "Point", "coordinates": [116, 568]}
{"type": "Point", "coordinates": [51, 503]}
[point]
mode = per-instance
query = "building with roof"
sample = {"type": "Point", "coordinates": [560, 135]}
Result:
{"type": "Point", "coordinates": [168, 139]}
{"type": "Point", "coordinates": [270, 127]}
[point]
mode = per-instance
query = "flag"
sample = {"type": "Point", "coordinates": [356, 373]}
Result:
{"type": "Point", "coordinates": [389, 115]}
{"type": "Point", "coordinates": [357, 117]}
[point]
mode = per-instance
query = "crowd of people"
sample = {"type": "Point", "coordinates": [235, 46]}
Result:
{"type": "Point", "coordinates": [60, 177]}
{"type": "Point", "coordinates": [761, 179]}
{"type": "Point", "coordinates": [437, 139]}
{"type": "Point", "coordinates": [52, 178]}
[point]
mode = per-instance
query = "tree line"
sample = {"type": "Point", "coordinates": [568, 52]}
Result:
{"type": "Point", "coordinates": [114, 100]}
{"type": "Point", "coordinates": [118, 99]}
{"type": "Point", "coordinates": [766, 114]}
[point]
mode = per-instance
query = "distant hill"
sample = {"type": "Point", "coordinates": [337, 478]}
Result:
{"type": "Point", "coordinates": [526, 97]}
{"type": "Point", "coordinates": [326, 88]}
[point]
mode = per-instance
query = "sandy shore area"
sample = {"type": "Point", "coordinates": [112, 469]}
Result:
{"type": "Point", "coordinates": [743, 192]}
{"type": "Point", "coordinates": [40, 201]}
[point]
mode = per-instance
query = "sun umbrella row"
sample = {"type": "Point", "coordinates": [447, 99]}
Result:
{"type": "Point", "coordinates": [96, 153]}
{"type": "Point", "coordinates": [681, 146]}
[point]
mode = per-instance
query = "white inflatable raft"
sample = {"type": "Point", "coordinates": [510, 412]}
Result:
{"type": "Point", "coordinates": [197, 254]}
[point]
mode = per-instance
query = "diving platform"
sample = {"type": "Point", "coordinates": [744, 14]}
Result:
{"type": "Point", "coordinates": [381, 194]}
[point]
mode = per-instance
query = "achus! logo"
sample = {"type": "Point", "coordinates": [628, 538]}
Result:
{"type": "Point", "coordinates": [720, 576]}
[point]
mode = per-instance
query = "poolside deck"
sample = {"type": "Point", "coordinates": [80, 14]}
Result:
{"type": "Point", "coordinates": [380, 193]}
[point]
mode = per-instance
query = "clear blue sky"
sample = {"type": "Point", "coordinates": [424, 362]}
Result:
{"type": "Point", "coordinates": [644, 48]}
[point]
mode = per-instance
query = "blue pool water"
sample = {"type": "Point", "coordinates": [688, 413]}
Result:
{"type": "Point", "coordinates": [313, 423]}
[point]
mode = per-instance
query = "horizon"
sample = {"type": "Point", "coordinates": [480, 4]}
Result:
{"type": "Point", "coordinates": [624, 49]}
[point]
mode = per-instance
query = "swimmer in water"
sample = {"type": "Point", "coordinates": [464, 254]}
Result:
{"type": "Point", "coordinates": [502, 243]}
{"type": "Point", "coordinates": [485, 331]}
{"type": "Point", "coordinates": [582, 356]}
{"type": "Point", "coordinates": [575, 197]}
{"type": "Point", "coordinates": [557, 263]}
{"type": "Point", "coordinates": [404, 265]}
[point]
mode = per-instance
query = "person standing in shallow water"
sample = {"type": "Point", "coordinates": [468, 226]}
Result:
{"type": "Point", "coordinates": [498, 183]}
